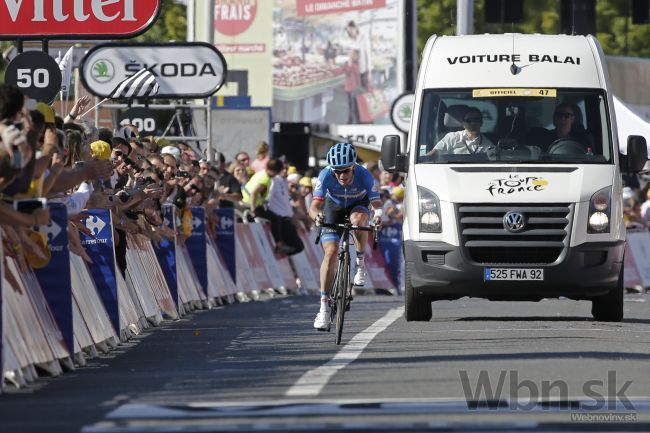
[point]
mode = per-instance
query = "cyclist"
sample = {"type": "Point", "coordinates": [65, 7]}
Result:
{"type": "Point", "coordinates": [344, 188]}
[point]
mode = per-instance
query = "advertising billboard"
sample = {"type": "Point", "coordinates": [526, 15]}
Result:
{"type": "Point", "coordinates": [244, 35]}
{"type": "Point", "coordinates": [337, 61]}
{"type": "Point", "coordinates": [97, 19]}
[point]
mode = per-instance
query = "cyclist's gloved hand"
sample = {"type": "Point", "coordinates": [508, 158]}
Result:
{"type": "Point", "coordinates": [376, 219]}
{"type": "Point", "coordinates": [320, 218]}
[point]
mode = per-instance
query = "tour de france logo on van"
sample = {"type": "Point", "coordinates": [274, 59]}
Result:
{"type": "Point", "coordinates": [516, 183]}
{"type": "Point", "coordinates": [103, 71]}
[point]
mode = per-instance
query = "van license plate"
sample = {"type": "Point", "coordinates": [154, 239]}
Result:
{"type": "Point", "coordinates": [513, 274]}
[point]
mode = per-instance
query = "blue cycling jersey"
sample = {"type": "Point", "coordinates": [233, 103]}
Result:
{"type": "Point", "coordinates": [363, 184]}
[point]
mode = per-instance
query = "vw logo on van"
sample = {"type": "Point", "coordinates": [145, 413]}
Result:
{"type": "Point", "coordinates": [514, 222]}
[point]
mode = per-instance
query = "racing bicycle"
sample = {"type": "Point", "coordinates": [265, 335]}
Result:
{"type": "Point", "coordinates": [340, 296]}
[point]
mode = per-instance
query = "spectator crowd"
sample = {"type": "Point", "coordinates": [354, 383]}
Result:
{"type": "Point", "coordinates": [69, 161]}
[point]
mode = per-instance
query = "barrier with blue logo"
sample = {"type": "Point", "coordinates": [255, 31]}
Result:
{"type": "Point", "coordinates": [225, 239]}
{"type": "Point", "coordinates": [166, 253]}
{"type": "Point", "coordinates": [390, 245]}
{"type": "Point", "coordinates": [100, 249]}
{"type": "Point", "coordinates": [197, 247]}
{"type": "Point", "coordinates": [55, 277]}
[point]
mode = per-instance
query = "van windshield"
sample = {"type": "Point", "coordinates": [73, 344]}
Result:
{"type": "Point", "coordinates": [514, 126]}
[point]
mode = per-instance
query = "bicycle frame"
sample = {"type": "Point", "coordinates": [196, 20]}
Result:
{"type": "Point", "coordinates": [340, 295]}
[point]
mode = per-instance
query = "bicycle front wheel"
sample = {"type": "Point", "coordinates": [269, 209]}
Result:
{"type": "Point", "coordinates": [342, 294]}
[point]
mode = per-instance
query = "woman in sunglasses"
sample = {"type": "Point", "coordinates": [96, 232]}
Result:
{"type": "Point", "coordinates": [343, 188]}
{"type": "Point", "coordinates": [467, 141]}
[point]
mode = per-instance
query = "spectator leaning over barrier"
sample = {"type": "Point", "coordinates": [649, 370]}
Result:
{"type": "Point", "coordinates": [300, 213]}
{"type": "Point", "coordinates": [256, 190]}
{"type": "Point", "coordinates": [228, 187]}
{"type": "Point", "coordinates": [307, 190]}
{"type": "Point", "coordinates": [280, 213]}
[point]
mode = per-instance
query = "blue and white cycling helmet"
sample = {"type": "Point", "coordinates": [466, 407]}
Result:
{"type": "Point", "coordinates": [341, 155]}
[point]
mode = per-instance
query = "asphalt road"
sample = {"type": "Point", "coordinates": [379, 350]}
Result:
{"type": "Point", "coordinates": [261, 366]}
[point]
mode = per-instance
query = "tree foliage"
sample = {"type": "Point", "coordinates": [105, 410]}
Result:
{"type": "Point", "coordinates": [171, 25]}
{"type": "Point", "coordinates": [540, 16]}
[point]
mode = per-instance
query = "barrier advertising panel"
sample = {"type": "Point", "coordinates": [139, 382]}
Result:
{"type": "Point", "coordinates": [197, 247]}
{"type": "Point", "coordinates": [100, 248]}
{"type": "Point", "coordinates": [166, 253]}
{"type": "Point", "coordinates": [226, 239]}
{"type": "Point", "coordinates": [390, 244]}
{"type": "Point", "coordinates": [337, 62]}
{"type": "Point", "coordinates": [96, 19]}
{"type": "Point", "coordinates": [55, 278]}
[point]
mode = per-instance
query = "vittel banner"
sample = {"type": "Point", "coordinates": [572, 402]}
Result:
{"type": "Point", "coordinates": [99, 19]}
{"type": "Point", "coordinates": [188, 70]}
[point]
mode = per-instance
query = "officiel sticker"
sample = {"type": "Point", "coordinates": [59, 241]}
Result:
{"type": "Point", "coordinates": [516, 183]}
{"type": "Point", "coordinates": [490, 93]}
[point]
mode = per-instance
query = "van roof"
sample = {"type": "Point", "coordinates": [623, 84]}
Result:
{"type": "Point", "coordinates": [546, 61]}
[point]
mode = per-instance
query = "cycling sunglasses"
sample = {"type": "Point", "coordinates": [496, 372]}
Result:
{"type": "Point", "coordinates": [340, 172]}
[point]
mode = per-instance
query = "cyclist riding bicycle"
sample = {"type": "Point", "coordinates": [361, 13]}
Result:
{"type": "Point", "coordinates": [344, 188]}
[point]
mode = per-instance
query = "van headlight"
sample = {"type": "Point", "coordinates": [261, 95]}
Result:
{"type": "Point", "coordinates": [600, 211]}
{"type": "Point", "coordinates": [430, 221]}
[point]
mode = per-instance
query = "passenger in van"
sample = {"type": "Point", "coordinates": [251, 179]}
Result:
{"type": "Point", "coordinates": [566, 119]}
{"type": "Point", "coordinates": [467, 141]}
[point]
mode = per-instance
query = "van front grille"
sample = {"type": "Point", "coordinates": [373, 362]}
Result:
{"type": "Point", "coordinates": [486, 240]}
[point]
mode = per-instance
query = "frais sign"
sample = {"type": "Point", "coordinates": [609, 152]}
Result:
{"type": "Point", "coordinates": [96, 19]}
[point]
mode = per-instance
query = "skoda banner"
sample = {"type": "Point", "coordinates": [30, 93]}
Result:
{"type": "Point", "coordinates": [101, 250]}
{"type": "Point", "coordinates": [197, 247]}
{"type": "Point", "coordinates": [166, 252]}
{"type": "Point", "coordinates": [183, 70]}
{"type": "Point", "coordinates": [55, 278]}
{"type": "Point", "coordinates": [226, 239]}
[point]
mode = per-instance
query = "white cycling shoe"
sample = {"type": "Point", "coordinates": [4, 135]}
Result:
{"type": "Point", "coordinates": [360, 275]}
{"type": "Point", "coordinates": [322, 321]}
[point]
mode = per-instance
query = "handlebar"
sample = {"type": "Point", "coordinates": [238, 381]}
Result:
{"type": "Point", "coordinates": [351, 227]}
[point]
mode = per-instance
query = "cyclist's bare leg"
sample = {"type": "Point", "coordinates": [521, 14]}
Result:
{"type": "Point", "coordinates": [360, 218]}
{"type": "Point", "coordinates": [328, 267]}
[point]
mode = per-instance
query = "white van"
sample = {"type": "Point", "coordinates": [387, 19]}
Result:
{"type": "Point", "coordinates": [531, 207]}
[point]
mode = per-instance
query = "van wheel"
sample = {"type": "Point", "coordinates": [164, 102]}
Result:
{"type": "Point", "coordinates": [417, 308]}
{"type": "Point", "coordinates": [609, 308]}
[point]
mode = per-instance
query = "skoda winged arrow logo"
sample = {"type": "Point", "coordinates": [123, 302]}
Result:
{"type": "Point", "coordinates": [514, 222]}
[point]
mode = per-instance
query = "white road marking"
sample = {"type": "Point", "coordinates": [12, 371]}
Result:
{"type": "Point", "coordinates": [313, 382]}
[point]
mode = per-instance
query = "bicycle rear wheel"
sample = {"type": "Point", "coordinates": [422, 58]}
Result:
{"type": "Point", "coordinates": [341, 294]}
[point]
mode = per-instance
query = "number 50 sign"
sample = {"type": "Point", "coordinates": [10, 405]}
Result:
{"type": "Point", "coordinates": [36, 74]}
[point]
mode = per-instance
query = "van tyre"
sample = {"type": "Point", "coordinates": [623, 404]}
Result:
{"type": "Point", "coordinates": [417, 308]}
{"type": "Point", "coordinates": [609, 307]}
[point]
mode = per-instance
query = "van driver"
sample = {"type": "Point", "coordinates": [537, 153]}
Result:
{"type": "Point", "coordinates": [468, 141]}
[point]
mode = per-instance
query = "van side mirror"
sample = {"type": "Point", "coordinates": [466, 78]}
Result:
{"type": "Point", "coordinates": [391, 159]}
{"type": "Point", "coordinates": [637, 155]}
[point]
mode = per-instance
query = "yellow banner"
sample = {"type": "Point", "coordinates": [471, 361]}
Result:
{"type": "Point", "coordinates": [491, 93]}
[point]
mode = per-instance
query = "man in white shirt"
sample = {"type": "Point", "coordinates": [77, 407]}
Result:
{"type": "Point", "coordinates": [468, 141]}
